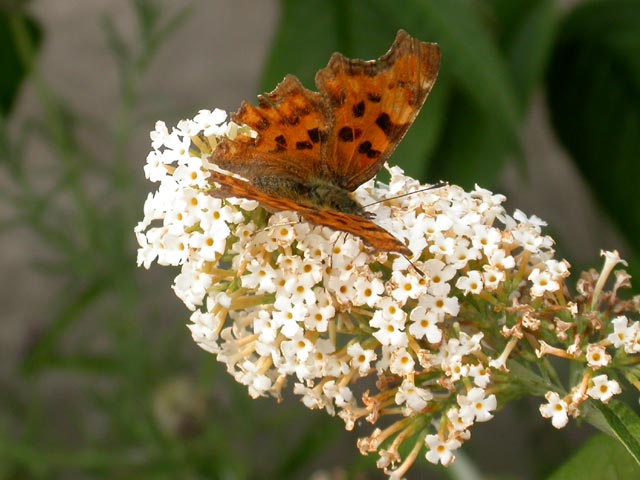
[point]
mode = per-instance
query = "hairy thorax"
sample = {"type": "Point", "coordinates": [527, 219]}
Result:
{"type": "Point", "coordinates": [316, 193]}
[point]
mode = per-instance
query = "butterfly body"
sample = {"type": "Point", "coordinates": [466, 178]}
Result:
{"type": "Point", "coordinates": [314, 193]}
{"type": "Point", "coordinates": [314, 148]}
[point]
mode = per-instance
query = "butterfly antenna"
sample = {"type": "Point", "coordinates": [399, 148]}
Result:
{"type": "Point", "coordinates": [415, 267]}
{"type": "Point", "coordinates": [435, 186]}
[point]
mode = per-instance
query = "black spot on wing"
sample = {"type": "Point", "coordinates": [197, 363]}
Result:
{"type": "Point", "coordinates": [306, 145]}
{"type": "Point", "coordinates": [365, 148]}
{"type": "Point", "coordinates": [384, 122]}
{"type": "Point", "coordinates": [374, 97]}
{"type": "Point", "coordinates": [345, 134]}
{"type": "Point", "coordinates": [281, 143]}
{"type": "Point", "coordinates": [314, 135]}
{"type": "Point", "coordinates": [358, 109]}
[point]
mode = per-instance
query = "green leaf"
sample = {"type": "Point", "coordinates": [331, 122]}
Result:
{"type": "Point", "coordinates": [14, 67]}
{"type": "Point", "coordinates": [472, 149]}
{"type": "Point", "coordinates": [600, 458]}
{"type": "Point", "coordinates": [306, 37]}
{"type": "Point", "coordinates": [625, 425]}
{"type": "Point", "coordinates": [315, 439]}
{"type": "Point", "coordinates": [594, 98]}
{"type": "Point", "coordinates": [528, 47]}
{"type": "Point", "coordinates": [46, 344]}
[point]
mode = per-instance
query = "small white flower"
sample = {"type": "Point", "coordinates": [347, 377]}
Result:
{"type": "Point", "coordinates": [368, 291]}
{"type": "Point", "coordinates": [401, 362]}
{"type": "Point", "coordinates": [622, 334]}
{"type": "Point", "coordinates": [440, 304]}
{"type": "Point", "coordinates": [159, 136]}
{"type": "Point", "coordinates": [500, 259]}
{"type": "Point", "coordinates": [442, 245]}
{"type": "Point", "coordinates": [299, 347]}
{"type": "Point", "coordinates": [481, 375]}
{"type": "Point", "coordinates": [389, 333]}
{"type": "Point", "coordinates": [425, 324]}
{"type": "Point", "coordinates": [339, 394]}
{"type": "Point", "coordinates": [486, 238]}
{"type": "Point", "coordinates": [441, 451]}
{"type": "Point", "coordinates": [542, 282]}
{"type": "Point", "coordinates": [475, 406]}
{"type": "Point", "coordinates": [361, 358]}
{"type": "Point", "coordinates": [433, 225]}
{"type": "Point", "coordinates": [603, 388]}
{"type": "Point", "coordinates": [612, 258]}
{"type": "Point", "coordinates": [415, 398]}
{"type": "Point", "coordinates": [261, 276]}
{"type": "Point", "coordinates": [534, 221]}
{"type": "Point", "coordinates": [461, 255]}
{"type": "Point", "coordinates": [438, 273]}
{"type": "Point", "coordinates": [492, 278]}
{"type": "Point", "coordinates": [174, 250]}
{"type": "Point", "coordinates": [471, 283]}
{"type": "Point", "coordinates": [597, 356]}
{"type": "Point", "coordinates": [408, 286]}
{"type": "Point", "coordinates": [555, 409]}
{"type": "Point", "coordinates": [557, 269]}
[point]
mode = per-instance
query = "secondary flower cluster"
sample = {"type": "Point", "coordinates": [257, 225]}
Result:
{"type": "Point", "coordinates": [279, 300]}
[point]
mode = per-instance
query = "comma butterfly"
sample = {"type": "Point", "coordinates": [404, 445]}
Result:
{"type": "Point", "coordinates": [314, 148]}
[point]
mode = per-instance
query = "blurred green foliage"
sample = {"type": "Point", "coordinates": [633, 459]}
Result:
{"type": "Point", "coordinates": [148, 404]}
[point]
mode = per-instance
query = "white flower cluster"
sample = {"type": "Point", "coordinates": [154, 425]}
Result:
{"type": "Point", "coordinates": [276, 298]}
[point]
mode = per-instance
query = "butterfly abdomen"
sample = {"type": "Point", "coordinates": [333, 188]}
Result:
{"type": "Point", "coordinates": [317, 193]}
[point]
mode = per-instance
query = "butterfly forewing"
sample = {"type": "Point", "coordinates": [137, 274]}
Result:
{"type": "Point", "coordinates": [373, 105]}
{"type": "Point", "coordinates": [291, 123]}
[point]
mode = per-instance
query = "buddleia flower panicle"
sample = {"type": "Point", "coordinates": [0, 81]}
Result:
{"type": "Point", "coordinates": [421, 349]}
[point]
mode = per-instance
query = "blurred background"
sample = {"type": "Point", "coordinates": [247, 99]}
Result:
{"type": "Point", "coordinates": [99, 378]}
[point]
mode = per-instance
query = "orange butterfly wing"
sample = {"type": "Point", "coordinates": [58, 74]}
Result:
{"type": "Point", "coordinates": [292, 124]}
{"type": "Point", "coordinates": [373, 105]}
{"type": "Point", "coordinates": [344, 133]}
{"type": "Point", "coordinates": [340, 135]}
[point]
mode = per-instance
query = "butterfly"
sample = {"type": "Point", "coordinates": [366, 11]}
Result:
{"type": "Point", "coordinates": [314, 148]}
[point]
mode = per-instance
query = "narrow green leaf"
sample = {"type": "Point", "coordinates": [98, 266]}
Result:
{"type": "Point", "coordinates": [307, 35]}
{"type": "Point", "coordinates": [315, 440]}
{"type": "Point", "coordinates": [117, 44]}
{"type": "Point", "coordinates": [528, 47]}
{"type": "Point", "coordinates": [47, 342]}
{"type": "Point", "coordinates": [14, 69]}
{"type": "Point", "coordinates": [625, 424]}
{"type": "Point", "coordinates": [524, 30]}
{"type": "Point", "coordinates": [473, 148]}
{"type": "Point", "coordinates": [594, 98]}
{"type": "Point", "coordinates": [600, 458]}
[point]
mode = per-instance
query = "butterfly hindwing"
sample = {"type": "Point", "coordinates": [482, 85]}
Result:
{"type": "Point", "coordinates": [372, 234]}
